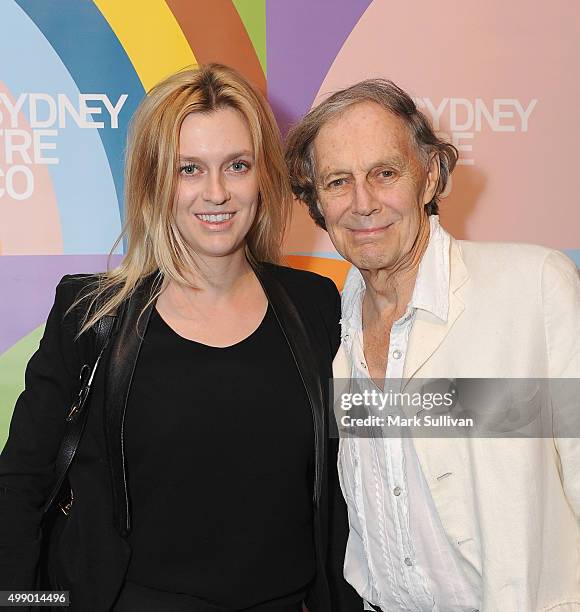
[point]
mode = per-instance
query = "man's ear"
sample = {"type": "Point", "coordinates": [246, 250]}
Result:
{"type": "Point", "coordinates": [432, 178]}
{"type": "Point", "coordinates": [319, 208]}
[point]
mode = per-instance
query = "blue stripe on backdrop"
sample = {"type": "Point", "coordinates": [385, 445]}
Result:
{"type": "Point", "coordinates": [84, 187]}
{"type": "Point", "coordinates": [97, 62]}
{"type": "Point", "coordinates": [574, 254]}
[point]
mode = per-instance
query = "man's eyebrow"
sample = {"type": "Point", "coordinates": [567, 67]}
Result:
{"type": "Point", "coordinates": [398, 161]}
{"type": "Point", "coordinates": [395, 160]}
{"type": "Point", "coordinates": [328, 175]}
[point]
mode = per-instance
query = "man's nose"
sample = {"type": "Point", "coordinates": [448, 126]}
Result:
{"type": "Point", "coordinates": [363, 201]}
{"type": "Point", "coordinates": [215, 190]}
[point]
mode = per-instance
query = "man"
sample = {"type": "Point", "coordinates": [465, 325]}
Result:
{"type": "Point", "coordinates": [458, 522]}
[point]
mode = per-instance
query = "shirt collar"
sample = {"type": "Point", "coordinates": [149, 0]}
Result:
{"type": "Point", "coordinates": [431, 291]}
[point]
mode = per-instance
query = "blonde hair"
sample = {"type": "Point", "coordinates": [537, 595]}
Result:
{"type": "Point", "coordinates": [154, 243]}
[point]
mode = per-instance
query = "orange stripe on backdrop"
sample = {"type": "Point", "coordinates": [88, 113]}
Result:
{"type": "Point", "coordinates": [336, 269]}
{"type": "Point", "coordinates": [216, 33]}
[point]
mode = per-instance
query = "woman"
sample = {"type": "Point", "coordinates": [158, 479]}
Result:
{"type": "Point", "coordinates": [200, 482]}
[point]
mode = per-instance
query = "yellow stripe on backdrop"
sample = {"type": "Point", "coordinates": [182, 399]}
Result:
{"type": "Point", "coordinates": [150, 35]}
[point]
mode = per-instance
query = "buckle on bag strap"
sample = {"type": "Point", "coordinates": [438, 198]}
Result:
{"type": "Point", "coordinates": [65, 506]}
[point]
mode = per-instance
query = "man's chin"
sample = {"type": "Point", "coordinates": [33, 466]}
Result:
{"type": "Point", "coordinates": [371, 264]}
{"type": "Point", "coordinates": [372, 259]}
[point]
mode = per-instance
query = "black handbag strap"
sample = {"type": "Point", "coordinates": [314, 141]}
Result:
{"type": "Point", "coordinates": [78, 413]}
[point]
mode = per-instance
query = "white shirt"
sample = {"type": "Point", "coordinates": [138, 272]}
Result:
{"type": "Point", "coordinates": [398, 556]}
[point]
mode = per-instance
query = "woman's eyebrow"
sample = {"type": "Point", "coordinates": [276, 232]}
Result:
{"type": "Point", "coordinates": [194, 158]}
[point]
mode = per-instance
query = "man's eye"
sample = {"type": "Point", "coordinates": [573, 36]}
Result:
{"type": "Point", "coordinates": [187, 169]}
{"type": "Point", "coordinates": [337, 183]}
{"type": "Point", "coordinates": [387, 173]}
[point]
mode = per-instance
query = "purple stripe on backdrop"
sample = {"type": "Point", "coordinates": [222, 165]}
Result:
{"type": "Point", "coordinates": [303, 38]}
{"type": "Point", "coordinates": [27, 287]}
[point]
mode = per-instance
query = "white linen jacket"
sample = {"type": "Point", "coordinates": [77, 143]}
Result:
{"type": "Point", "coordinates": [511, 506]}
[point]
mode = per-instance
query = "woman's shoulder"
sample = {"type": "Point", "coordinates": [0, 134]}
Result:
{"type": "Point", "coordinates": [317, 300]}
{"type": "Point", "coordinates": [71, 283]}
{"type": "Point", "coordinates": [72, 287]}
{"type": "Point", "coordinates": [77, 298]}
{"type": "Point", "coordinates": [303, 281]}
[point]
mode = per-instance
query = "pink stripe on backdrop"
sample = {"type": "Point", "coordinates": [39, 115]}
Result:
{"type": "Point", "coordinates": [28, 284]}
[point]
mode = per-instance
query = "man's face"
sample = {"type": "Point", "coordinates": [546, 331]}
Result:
{"type": "Point", "coordinates": [372, 185]}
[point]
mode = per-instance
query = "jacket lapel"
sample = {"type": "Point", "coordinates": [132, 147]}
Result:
{"type": "Point", "coordinates": [297, 338]}
{"type": "Point", "coordinates": [445, 461]}
{"type": "Point", "coordinates": [123, 358]}
{"type": "Point", "coordinates": [428, 330]}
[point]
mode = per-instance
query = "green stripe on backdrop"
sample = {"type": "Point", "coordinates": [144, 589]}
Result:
{"type": "Point", "coordinates": [253, 15]}
{"type": "Point", "coordinates": [12, 365]}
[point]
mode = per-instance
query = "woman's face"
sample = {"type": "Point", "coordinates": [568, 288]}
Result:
{"type": "Point", "coordinates": [217, 194]}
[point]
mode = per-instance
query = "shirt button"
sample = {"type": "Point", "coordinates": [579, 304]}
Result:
{"type": "Point", "coordinates": [363, 364]}
{"type": "Point", "coordinates": [397, 491]}
{"type": "Point", "coordinates": [408, 561]}
{"type": "Point", "coordinates": [397, 354]}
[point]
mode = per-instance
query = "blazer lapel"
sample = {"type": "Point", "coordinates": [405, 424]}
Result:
{"type": "Point", "coordinates": [428, 330]}
{"type": "Point", "coordinates": [297, 338]}
{"type": "Point", "coordinates": [119, 375]}
{"type": "Point", "coordinates": [445, 461]}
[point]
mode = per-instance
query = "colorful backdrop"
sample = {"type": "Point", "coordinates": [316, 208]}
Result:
{"type": "Point", "coordinates": [498, 80]}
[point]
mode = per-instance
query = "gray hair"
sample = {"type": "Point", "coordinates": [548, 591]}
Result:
{"type": "Point", "coordinates": [300, 139]}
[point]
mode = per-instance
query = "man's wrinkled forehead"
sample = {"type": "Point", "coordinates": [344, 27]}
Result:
{"type": "Point", "coordinates": [360, 136]}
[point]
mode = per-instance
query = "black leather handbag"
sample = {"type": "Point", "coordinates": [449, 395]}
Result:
{"type": "Point", "coordinates": [61, 499]}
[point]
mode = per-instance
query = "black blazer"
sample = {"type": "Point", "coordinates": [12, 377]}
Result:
{"type": "Point", "coordinates": [93, 553]}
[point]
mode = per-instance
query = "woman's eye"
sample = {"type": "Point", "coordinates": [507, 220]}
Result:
{"type": "Point", "coordinates": [239, 166]}
{"type": "Point", "coordinates": [188, 169]}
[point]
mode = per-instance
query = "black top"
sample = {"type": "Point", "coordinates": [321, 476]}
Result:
{"type": "Point", "coordinates": [219, 445]}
